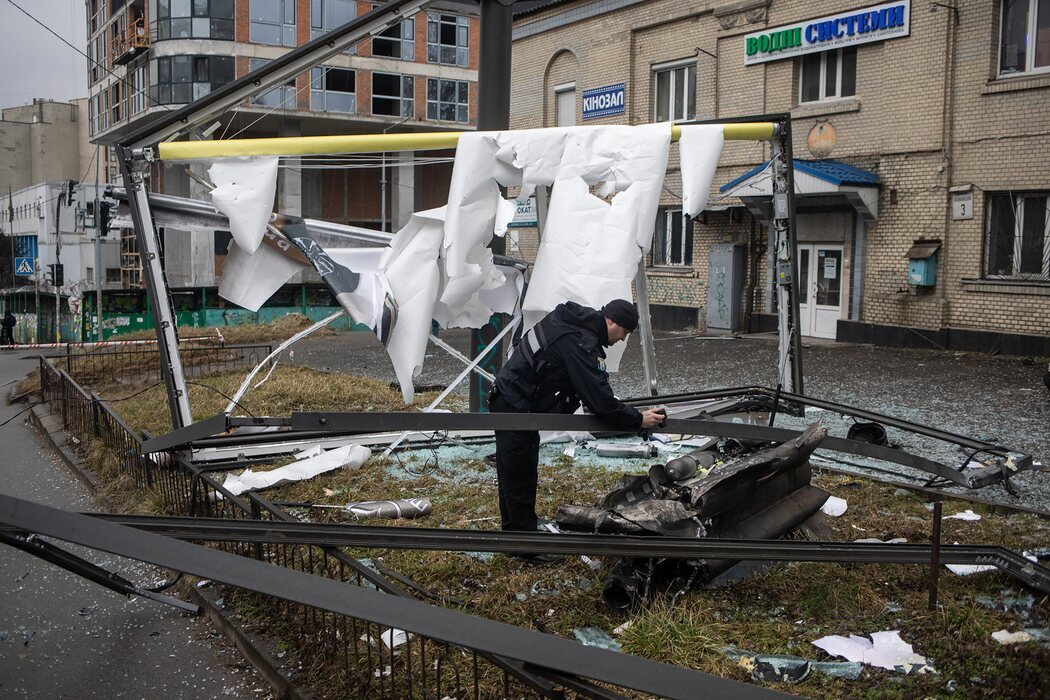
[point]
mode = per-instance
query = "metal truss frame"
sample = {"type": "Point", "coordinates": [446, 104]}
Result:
{"type": "Point", "coordinates": [537, 651]}
{"type": "Point", "coordinates": [444, 539]}
{"type": "Point", "coordinates": [313, 425]}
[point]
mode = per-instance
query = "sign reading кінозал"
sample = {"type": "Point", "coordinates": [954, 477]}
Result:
{"type": "Point", "coordinates": [876, 23]}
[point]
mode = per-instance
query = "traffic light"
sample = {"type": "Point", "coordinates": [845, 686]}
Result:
{"type": "Point", "coordinates": [104, 216]}
{"type": "Point", "coordinates": [58, 276]}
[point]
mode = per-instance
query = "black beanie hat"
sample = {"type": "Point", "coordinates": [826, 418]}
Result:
{"type": "Point", "coordinates": [622, 313]}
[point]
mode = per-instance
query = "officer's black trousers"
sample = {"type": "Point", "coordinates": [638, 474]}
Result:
{"type": "Point", "coordinates": [517, 458]}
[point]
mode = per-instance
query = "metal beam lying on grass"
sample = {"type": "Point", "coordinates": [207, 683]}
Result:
{"type": "Point", "coordinates": [541, 650]}
{"type": "Point", "coordinates": [365, 423]}
{"type": "Point", "coordinates": [446, 539]}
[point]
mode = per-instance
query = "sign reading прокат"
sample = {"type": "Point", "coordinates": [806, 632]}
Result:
{"type": "Point", "coordinates": [863, 26]}
{"type": "Point", "coordinates": [604, 101]}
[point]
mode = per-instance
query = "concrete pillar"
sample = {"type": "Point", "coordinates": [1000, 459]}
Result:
{"type": "Point", "coordinates": [289, 179]}
{"type": "Point", "coordinates": [403, 195]}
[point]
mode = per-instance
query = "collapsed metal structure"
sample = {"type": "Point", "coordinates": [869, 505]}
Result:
{"type": "Point", "coordinates": [225, 441]}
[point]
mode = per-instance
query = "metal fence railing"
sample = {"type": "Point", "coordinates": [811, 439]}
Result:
{"type": "Point", "coordinates": [144, 363]}
{"type": "Point", "coordinates": [371, 661]}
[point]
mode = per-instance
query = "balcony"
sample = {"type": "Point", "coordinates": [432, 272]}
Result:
{"type": "Point", "coordinates": [131, 43]}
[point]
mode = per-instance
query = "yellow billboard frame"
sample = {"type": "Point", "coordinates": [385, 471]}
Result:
{"type": "Point", "coordinates": [378, 143]}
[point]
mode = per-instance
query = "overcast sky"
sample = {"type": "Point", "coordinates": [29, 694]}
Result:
{"type": "Point", "coordinates": [37, 64]}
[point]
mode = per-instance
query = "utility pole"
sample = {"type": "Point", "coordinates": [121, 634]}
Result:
{"type": "Point", "coordinates": [58, 263]}
{"type": "Point", "coordinates": [497, 18]}
{"type": "Point", "coordinates": [98, 254]}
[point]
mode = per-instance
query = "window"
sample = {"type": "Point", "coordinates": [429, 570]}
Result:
{"type": "Point", "coordinates": [272, 22]}
{"type": "Point", "coordinates": [195, 19]}
{"type": "Point", "coordinates": [1018, 230]}
{"type": "Point", "coordinates": [674, 88]}
{"type": "Point", "coordinates": [112, 275]}
{"type": "Point", "coordinates": [447, 100]}
{"type": "Point", "coordinates": [138, 86]}
{"type": "Point", "coordinates": [448, 39]}
{"type": "Point", "coordinates": [1024, 36]}
{"type": "Point", "coordinates": [182, 79]}
{"type": "Point", "coordinates": [332, 90]}
{"type": "Point", "coordinates": [97, 58]}
{"type": "Point", "coordinates": [114, 101]}
{"type": "Point", "coordinates": [673, 244]}
{"type": "Point", "coordinates": [282, 96]}
{"type": "Point", "coordinates": [392, 94]}
{"type": "Point", "coordinates": [397, 41]}
{"type": "Point", "coordinates": [326, 15]}
{"type": "Point", "coordinates": [828, 75]}
{"type": "Point", "coordinates": [565, 104]}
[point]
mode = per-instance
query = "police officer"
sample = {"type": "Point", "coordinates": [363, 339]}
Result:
{"type": "Point", "coordinates": [556, 365]}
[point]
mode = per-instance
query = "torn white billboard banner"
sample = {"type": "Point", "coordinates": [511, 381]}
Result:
{"type": "Point", "coordinates": [244, 192]}
{"type": "Point", "coordinates": [249, 279]}
{"type": "Point", "coordinates": [366, 296]}
{"type": "Point", "coordinates": [411, 268]}
{"type": "Point", "coordinates": [700, 147]}
{"type": "Point", "coordinates": [349, 457]}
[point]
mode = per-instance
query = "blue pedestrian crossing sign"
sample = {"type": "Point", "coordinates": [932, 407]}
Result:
{"type": "Point", "coordinates": [24, 267]}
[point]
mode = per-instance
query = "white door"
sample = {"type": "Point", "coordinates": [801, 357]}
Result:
{"type": "Point", "coordinates": [819, 289]}
{"type": "Point", "coordinates": [565, 104]}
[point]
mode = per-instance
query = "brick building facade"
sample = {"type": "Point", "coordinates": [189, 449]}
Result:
{"type": "Point", "coordinates": [420, 75]}
{"type": "Point", "coordinates": [888, 133]}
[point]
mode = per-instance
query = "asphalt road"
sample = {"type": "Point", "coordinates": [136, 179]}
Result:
{"type": "Point", "coordinates": [994, 398]}
{"type": "Point", "coordinates": [64, 637]}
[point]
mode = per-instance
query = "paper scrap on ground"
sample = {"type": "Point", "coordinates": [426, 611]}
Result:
{"type": "Point", "coordinates": [876, 540]}
{"type": "Point", "coordinates": [834, 506]}
{"type": "Point", "coordinates": [965, 515]}
{"type": "Point", "coordinates": [884, 650]}
{"type": "Point", "coordinates": [244, 192]}
{"type": "Point", "coordinates": [391, 637]}
{"type": "Point", "coordinates": [348, 456]}
{"type": "Point", "coordinates": [1004, 637]}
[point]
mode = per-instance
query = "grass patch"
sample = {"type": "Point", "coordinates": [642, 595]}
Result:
{"type": "Point", "coordinates": [246, 333]}
{"type": "Point", "coordinates": [779, 611]}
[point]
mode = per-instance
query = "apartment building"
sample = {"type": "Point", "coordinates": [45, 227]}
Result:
{"type": "Point", "coordinates": [420, 75]}
{"type": "Point", "coordinates": [920, 134]}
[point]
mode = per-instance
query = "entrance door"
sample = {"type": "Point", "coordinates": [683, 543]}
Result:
{"type": "Point", "coordinates": [819, 289]}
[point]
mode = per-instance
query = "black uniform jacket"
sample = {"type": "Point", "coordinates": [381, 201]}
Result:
{"type": "Point", "coordinates": [570, 368]}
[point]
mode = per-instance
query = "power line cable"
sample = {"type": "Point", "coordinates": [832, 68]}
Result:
{"type": "Point", "coordinates": [124, 81]}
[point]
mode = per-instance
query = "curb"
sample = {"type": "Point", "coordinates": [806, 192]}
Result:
{"type": "Point", "coordinates": [251, 647]}
{"type": "Point", "coordinates": [49, 427]}
{"type": "Point", "coordinates": [247, 643]}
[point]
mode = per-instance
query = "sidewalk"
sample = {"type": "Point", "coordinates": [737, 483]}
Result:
{"type": "Point", "coordinates": [62, 636]}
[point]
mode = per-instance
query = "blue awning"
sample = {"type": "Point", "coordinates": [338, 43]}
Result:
{"type": "Point", "coordinates": [832, 171]}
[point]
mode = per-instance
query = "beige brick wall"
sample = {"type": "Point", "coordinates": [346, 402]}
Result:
{"type": "Point", "coordinates": [995, 137]}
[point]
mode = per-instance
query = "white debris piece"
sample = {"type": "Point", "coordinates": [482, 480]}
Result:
{"type": "Point", "coordinates": [965, 515]}
{"type": "Point", "coordinates": [884, 650]}
{"type": "Point", "coordinates": [834, 506]}
{"type": "Point", "coordinates": [876, 540]}
{"type": "Point", "coordinates": [969, 569]}
{"type": "Point", "coordinates": [391, 637]}
{"type": "Point", "coordinates": [1004, 637]}
{"type": "Point", "coordinates": [700, 146]}
{"type": "Point", "coordinates": [244, 192]}
{"type": "Point", "coordinates": [349, 457]}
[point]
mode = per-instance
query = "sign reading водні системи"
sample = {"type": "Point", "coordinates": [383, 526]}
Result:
{"type": "Point", "coordinates": [877, 23]}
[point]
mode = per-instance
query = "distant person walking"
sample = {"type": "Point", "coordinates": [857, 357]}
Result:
{"type": "Point", "coordinates": [7, 327]}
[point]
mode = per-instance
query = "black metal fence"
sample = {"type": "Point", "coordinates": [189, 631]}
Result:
{"type": "Point", "coordinates": [106, 364]}
{"type": "Point", "coordinates": [370, 661]}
